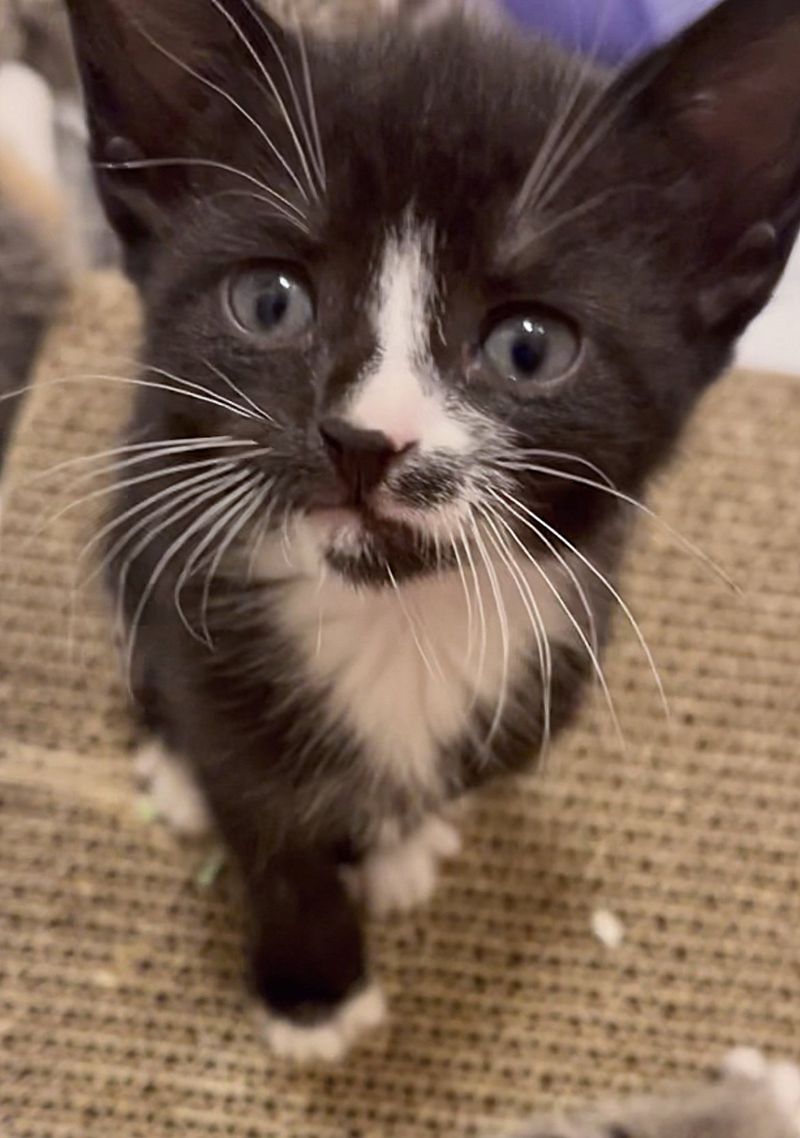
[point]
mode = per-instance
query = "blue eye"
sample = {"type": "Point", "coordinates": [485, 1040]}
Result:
{"type": "Point", "coordinates": [531, 349]}
{"type": "Point", "coordinates": [270, 303]}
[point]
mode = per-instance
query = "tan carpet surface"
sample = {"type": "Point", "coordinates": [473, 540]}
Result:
{"type": "Point", "coordinates": [121, 1010]}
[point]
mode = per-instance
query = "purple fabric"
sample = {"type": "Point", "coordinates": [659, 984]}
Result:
{"type": "Point", "coordinates": [614, 31]}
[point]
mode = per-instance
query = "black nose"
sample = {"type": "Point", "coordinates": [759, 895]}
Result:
{"type": "Point", "coordinates": [361, 458]}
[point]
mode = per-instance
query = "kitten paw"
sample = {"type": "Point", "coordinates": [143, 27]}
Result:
{"type": "Point", "coordinates": [329, 1041]}
{"type": "Point", "coordinates": [174, 793]}
{"type": "Point", "coordinates": [399, 877]}
{"type": "Point", "coordinates": [781, 1078]}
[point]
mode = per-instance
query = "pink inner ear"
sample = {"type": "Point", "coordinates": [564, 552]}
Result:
{"type": "Point", "coordinates": [746, 109]}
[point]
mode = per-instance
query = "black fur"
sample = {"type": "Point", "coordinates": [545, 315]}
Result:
{"type": "Point", "coordinates": [664, 240]}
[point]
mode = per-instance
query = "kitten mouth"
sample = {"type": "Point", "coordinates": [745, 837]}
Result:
{"type": "Point", "coordinates": [373, 549]}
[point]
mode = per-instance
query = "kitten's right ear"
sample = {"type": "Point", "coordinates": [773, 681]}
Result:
{"type": "Point", "coordinates": [152, 74]}
{"type": "Point", "coordinates": [726, 95]}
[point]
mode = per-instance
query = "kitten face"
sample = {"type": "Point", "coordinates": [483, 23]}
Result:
{"type": "Point", "coordinates": [459, 279]}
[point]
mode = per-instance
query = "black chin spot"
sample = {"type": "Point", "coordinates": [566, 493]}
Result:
{"type": "Point", "coordinates": [392, 556]}
{"type": "Point", "coordinates": [428, 488]}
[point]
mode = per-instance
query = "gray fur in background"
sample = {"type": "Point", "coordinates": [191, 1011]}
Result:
{"type": "Point", "coordinates": [31, 284]}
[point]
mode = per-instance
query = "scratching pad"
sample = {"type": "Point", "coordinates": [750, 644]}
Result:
{"type": "Point", "coordinates": [121, 1007]}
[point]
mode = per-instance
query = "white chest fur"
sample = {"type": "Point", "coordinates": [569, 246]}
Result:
{"type": "Point", "coordinates": [403, 668]}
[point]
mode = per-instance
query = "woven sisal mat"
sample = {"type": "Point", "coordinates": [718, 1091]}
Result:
{"type": "Point", "coordinates": [121, 1010]}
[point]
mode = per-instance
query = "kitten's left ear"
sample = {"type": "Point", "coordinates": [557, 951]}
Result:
{"type": "Point", "coordinates": [157, 78]}
{"type": "Point", "coordinates": [727, 96]}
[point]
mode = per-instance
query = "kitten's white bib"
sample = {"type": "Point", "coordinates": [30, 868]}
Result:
{"type": "Point", "coordinates": [403, 669]}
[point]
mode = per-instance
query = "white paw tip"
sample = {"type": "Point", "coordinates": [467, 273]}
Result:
{"type": "Point", "coordinates": [304, 1044]}
{"type": "Point", "coordinates": [401, 876]}
{"type": "Point", "coordinates": [366, 1011]}
{"type": "Point", "coordinates": [175, 796]}
{"type": "Point", "coordinates": [396, 882]}
{"type": "Point", "coordinates": [326, 1042]}
{"type": "Point", "coordinates": [745, 1063]}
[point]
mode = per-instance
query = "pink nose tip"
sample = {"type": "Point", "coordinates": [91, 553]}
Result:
{"type": "Point", "coordinates": [360, 457]}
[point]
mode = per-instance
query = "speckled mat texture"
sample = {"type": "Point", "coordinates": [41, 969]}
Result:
{"type": "Point", "coordinates": [121, 1008]}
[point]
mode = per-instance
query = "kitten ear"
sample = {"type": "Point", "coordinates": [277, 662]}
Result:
{"type": "Point", "coordinates": [727, 95]}
{"type": "Point", "coordinates": [156, 76]}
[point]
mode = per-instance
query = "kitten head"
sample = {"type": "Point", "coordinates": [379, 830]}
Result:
{"type": "Point", "coordinates": [450, 285]}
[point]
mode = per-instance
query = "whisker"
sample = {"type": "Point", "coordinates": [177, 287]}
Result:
{"type": "Point", "coordinates": [464, 585]}
{"type": "Point", "coordinates": [260, 412]}
{"type": "Point", "coordinates": [224, 401]}
{"type": "Point", "coordinates": [192, 491]}
{"type": "Point", "coordinates": [537, 624]}
{"type": "Point", "coordinates": [505, 639]}
{"type": "Point", "coordinates": [504, 497]}
{"type": "Point", "coordinates": [174, 495]}
{"type": "Point", "coordinates": [412, 626]}
{"type": "Point", "coordinates": [550, 146]}
{"type": "Point", "coordinates": [188, 503]}
{"type": "Point", "coordinates": [125, 483]}
{"type": "Point", "coordinates": [587, 644]}
{"type": "Point", "coordinates": [538, 191]}
{"type": "Point", "coordinates": [240, 519]}
{"type": "Point", "coordinates": [156, 448]}
{"type": "Point", "coordinates": [537, 521]}
{"type": "Point", "coordinates": [312, 109]}
{"type": "Point", "coordinates": [311, 138]}
{"type": "Point", "coordinates": [197, 494]}
{"type": "Point", "coordinates": [571, 215]}
{"type": "Point", "coordinates": [481, 613]}
{"type": "Point", "coordinates": [115, 468]}
{"type": "Point", "coordinates": [260, 533]}
{"type": "Point", "coordinates": [163, 564]}
{"type": "Point", "coordinates": [208, 164]}
{"type": "Point", "coordinates": [609, 488]}
{"type": "Point", "coordinates": [604, 125]}
{"type": "Point", "coordinates": [192, 390]}
{"type": "Point", "coordinates": [265, 72]}
{"type": "Point", "coordinates": [567, 456]}
{"type": "Point", "coordinates": [103, 491]}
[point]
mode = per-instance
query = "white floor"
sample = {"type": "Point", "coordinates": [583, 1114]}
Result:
{"type": "Point", "coordinates": [773, 341]}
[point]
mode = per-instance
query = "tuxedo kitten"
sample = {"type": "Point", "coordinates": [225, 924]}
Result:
{"type": "Point", "coordinates": [754, 1099]}
{"type": "Point", "coordinates": [419, 307]}
{"type": "Point", "coordinates": [32, 264]}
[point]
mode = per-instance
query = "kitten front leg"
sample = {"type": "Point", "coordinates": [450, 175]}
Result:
{"type": "Point", "coordinates": [306, 952]}
{"type": "Point", "coordinates": [307, 958]}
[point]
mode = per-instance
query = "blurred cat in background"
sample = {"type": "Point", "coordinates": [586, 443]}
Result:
{"type": "Point", "coordinates": [753, 1099]}
{"type": "Point", "coordinates": [32, 229]}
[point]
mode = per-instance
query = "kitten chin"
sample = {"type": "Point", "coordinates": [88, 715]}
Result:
{"type": "Point", "coordinates": [365, 552]}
